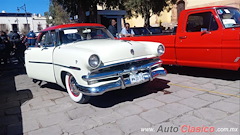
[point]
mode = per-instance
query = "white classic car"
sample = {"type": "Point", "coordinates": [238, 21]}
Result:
{"type": "Point", "coordinates": [85, 59]}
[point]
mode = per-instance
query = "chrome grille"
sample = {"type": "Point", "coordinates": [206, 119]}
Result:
{"type": "Point", "coordinates": [122, 70]}
{"type": "Point", "coordinates": [124, 66]}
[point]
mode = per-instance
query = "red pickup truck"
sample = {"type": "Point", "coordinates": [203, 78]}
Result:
{"type": "Point", "coordinates": [206, 37]}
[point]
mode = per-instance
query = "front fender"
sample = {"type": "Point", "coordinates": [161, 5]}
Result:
{"type": "Point", "coordinates": [60, 73]}
{"type": "Point", "coordinates": [73, 61]}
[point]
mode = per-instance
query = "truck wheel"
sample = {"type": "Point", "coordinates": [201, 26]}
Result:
{"type": "Point", "coordinates": [73, 91]}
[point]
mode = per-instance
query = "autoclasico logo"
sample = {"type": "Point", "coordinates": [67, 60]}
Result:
{"type": "Point", "coordinates": [189, 129]}
{"type": "Point", "coordinates": [186, 128]}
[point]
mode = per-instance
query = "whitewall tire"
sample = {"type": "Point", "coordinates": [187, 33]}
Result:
{"type": "Point", "coordinates": [72, 90]}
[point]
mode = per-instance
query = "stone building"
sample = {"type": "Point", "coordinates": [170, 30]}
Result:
{"type": "Point", "coordinates": [21, 22]}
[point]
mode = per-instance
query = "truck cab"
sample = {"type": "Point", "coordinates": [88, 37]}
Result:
{"type": "Point", "coordinates": [206, 37]}
{"type": "Point", "coordinates": [209, 37]}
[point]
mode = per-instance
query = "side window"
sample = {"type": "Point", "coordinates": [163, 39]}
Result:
{"type": "Point", "coordinates": [155, 30]}
{"type": "Point", "coordinates": [201, 22]}
{"type": "Point", "coordinates": [48, 38]}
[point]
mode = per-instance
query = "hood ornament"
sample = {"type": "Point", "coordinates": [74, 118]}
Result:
{"type": "Point", "coordinates": [132, 51]}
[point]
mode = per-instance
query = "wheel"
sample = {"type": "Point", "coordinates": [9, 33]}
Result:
{"type": "Point", "coordinates": [73, 91]}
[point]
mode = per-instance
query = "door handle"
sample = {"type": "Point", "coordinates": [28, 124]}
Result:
{"type": "Point", "coordinates": [183, 37]}
{"type": "Point", "coordinates": [205, 32]}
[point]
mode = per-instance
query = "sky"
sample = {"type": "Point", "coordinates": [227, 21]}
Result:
{"type": "Point", "coordinates": [32, 6]}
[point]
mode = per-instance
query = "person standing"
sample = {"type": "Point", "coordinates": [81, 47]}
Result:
{"type": "Point", "coordinates": [10, 39]}
{"type": "Point", "coordinates": [4, 36]}
{"type": "Point", "coordinates": [15, 39]}
{"type": "Point", "coordinates": [19, 48]}
{"type": "Point", "coordinates": [10, 35]}
{"type": "Point", "coordinates": [7, 49]}
{"type": "Point", "coordinates": [31, 38]}
{"type": "Point", "coordinates": [112, 28]}
{"type": "Point", "coordinates": [127, 32]}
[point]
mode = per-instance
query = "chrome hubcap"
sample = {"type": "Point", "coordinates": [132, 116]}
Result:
{"type": "Point", "coordinates": [73, 87]}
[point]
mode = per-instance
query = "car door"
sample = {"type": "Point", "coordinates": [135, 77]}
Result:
{"type": "Point", "coordinates": [39, 60]}
{"type": "Point", "coordinates": [198, 44]}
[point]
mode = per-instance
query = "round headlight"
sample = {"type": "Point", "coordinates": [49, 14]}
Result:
{"type": "Point", "coordinates": [161, 50]}
{"type": "Point", "coordinates": [94, 61]}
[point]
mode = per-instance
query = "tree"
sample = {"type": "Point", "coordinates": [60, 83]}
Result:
{"type": "Point", "coordinates": [56, 15]}
{"type": "Point", "coordinates": [80, 7]}
{"type": "Point", "coordinates": [112, 4]}
{"type": "Point", "coordinates": [146, 8]}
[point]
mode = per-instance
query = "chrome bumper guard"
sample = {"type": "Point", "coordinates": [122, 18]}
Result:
{"type": "Point", "coordinates": [121, 79]}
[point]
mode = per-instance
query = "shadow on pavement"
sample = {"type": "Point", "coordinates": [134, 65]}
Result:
{"type": "Point", "coordinates": [112, 98]}
{"type": "Point", "coordinates": [204, 72]}
{"type": "Point", "coordinates": [11, 100]}
{"type": "Point", "coordinates": [52, 86]}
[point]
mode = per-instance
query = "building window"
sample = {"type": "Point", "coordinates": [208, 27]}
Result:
{"type": "Point", "coordinates": [15, 27]}
{"type": "Point", "coordinates": [39, 28]}
{"type": "Point", "coordinates": [26, 27]}
{"type": "Point", "coordinates": [3, 27]}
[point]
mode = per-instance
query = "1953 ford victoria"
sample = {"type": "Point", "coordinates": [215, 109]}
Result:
{"type": "Point", "coordinates": [85, 59]}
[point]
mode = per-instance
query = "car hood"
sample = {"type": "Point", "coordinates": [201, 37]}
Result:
{"type": "Point", "coordinates": [114, 50]}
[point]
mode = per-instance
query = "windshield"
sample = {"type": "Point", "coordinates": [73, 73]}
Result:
{"type": "Point", "coordinates": [83, 33]}
{"type": "Point", "coordinates": [230, 17]}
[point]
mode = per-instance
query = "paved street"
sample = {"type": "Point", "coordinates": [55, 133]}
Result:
{"type": "Point", "coordinates": [179, 103]}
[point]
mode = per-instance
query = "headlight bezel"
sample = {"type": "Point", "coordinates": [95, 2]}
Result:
{"type": "Point", "coordinates": [94, 61]}
{"type": "Point", "coordinates": [161, 50]}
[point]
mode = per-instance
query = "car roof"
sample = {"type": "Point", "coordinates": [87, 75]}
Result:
{"type": "Point", "coordinates": [72, 25]}
{"type": "Point", "coordinates": [209, 7]}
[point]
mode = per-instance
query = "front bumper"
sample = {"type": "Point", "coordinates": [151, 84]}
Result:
{"type": "Point", "coordinates": [120, 79]}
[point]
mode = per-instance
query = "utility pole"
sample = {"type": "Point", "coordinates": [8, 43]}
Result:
{"type": "Point", "coordinates": [25, 10]}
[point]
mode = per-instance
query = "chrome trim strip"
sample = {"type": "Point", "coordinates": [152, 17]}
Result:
{"type": "Point", "coordinates": [237, 59]}
{"type": "Point", "coordinates": [71, 67]}
{"type": "Point", "coordinates": [37, 62]}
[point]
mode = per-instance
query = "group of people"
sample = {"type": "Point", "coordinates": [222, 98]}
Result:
{"type": "Point", "coordinates": [14, 45]}
{"type": "Point", "coordinates": [125, 32]}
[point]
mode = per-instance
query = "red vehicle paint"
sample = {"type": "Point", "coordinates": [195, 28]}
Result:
{"type": "Point", "coordinates": [72, 25]}
{"type": "Point", "coordinates": [206, 37]}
